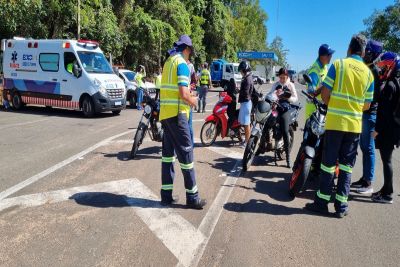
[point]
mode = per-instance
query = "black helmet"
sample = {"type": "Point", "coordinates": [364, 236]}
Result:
{"type": "Point", "coordinates": [244, 66]}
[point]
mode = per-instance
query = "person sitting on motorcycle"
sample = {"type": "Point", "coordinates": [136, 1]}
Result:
{"type": "Point", "coordinates": [232, 92]}
{"type": "Point", "coordinates": [285, 92]}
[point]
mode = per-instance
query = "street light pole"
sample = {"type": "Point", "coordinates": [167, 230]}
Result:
{"type": "Point", "coordinates": [79, 20]}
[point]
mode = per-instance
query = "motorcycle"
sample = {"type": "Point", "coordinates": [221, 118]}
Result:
{"type": "Point", "coordinates": [270, 135]}
{"type": "Point", "coordinates": [217, 123]}
{"type": "Point", "coordinates": [148, 123]}
{"type": "Point", "coordinates": [310, 150]}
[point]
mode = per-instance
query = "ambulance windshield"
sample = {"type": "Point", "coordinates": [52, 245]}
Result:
{"type": "Point", "coordinates": [94, 62]}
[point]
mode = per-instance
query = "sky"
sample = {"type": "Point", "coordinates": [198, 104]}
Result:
{"type": "Point", "coordinates": [305, 25]}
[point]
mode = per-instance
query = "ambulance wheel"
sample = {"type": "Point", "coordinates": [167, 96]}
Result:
{"type": "Point", "coordinates": [17, 101]}
{"type": "Point", "coordinates": [88, 107]}
{"type": "Point", "coordinates": [116, 112]}
{"type": "Point", "coordinates": [132, 101]}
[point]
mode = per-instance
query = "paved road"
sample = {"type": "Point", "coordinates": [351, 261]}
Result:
{"type": "Point", "coordinates": [69, 196]}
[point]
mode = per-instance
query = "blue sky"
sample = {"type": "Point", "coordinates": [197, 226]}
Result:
{"type": "Point", "coordinates": [305, 25]}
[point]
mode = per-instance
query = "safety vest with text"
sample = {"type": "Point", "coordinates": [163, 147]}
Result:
{"type": "Point", "coordinates": [171, 104]}
{"type": "Point", "coordinates": [349, 93]}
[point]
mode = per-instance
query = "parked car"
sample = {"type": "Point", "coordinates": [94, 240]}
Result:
{"type": "Point", "coordinates": [256, 77]}
{"type": "Point", "coordinates": [128, 77]}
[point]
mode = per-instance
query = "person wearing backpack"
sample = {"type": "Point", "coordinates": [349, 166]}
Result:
{"type": "Point", "coordinates": [387, 130]}
{"type": "Point", "coordinates": [367, 143]}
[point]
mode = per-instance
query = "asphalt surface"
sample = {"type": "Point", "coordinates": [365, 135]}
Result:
{"type": "Point", "coordinates": [70, 196]}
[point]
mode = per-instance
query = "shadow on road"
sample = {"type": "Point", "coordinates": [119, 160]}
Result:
{"type": "Point", "coordinates": [109, 200]}
{"type": "Point", "coordinates": [263, 206]}
{"type": "Point", "coordinates": [144, 153]}
{"type": "Point", "coordinates": [58, 112]}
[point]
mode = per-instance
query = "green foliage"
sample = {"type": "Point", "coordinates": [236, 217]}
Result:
{"type": "Point", "coordinates": [142, 31]}
{"type": "Point", "coordinates": [385, 26]}
{"type": "Point", "coordinates": [280, 51]}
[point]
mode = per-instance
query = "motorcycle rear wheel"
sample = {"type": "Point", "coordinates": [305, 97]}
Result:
{"type": "Point", "coordinates": [208, 133]}
{"type": "Point", "coordinates": [300, 175]}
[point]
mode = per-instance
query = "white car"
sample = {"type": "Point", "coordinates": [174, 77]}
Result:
{"type": "Point", "coordinates": [128, 77]}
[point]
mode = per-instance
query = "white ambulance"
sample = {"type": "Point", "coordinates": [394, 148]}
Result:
{"type": "Point", "coordinates": [71, 74]}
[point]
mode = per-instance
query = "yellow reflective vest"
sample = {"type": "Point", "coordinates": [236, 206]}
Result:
{"type": "Point", "coordinates": [205, 77]}
{"type": "Point", "coordinates": [350, 91]}
{"type": "Point", "coordinates": [321, 74]}
{"type": "Point", "coordinates": [171, 104]}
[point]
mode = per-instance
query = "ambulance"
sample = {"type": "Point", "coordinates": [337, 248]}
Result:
{"type": "Point", "coordinates": [72, 74]}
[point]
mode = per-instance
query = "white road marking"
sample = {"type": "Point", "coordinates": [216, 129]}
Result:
{"type": "Point", "coordinates": [176, 233]}
{"type": "Point", "coordinates": [59, 165]}
{"type": "Point", "coordinates": [199, 120]}
{"type": "Point", "coordinates": [211, 219]}
{"type": "Point", "coordinates": [21, 124]}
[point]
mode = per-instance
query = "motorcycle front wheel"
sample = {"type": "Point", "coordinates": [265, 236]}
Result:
{"type": "Point", "coordinates": [208, 133]}
{"type": "Point", "coordinates": [137, 141]}
{"type": "Point", "coordinates": [300, 175]}
{"type": "Point", "coordinates": [249, 152]}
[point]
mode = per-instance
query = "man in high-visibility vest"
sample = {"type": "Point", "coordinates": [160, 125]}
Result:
{"type": "Point", "coordinates": [205, 84]}
{"type": "Point", "coordinates": [140, 75]}
{"type": "Point", "coordinates": [175, 103]}
{"type": "Point", "coordinates": [317, 73]}
{"type": "Point", "coordinates": [347, 90]}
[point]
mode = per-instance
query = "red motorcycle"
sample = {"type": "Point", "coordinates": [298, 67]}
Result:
{"type": "Point", "coordinates": [217, 123]}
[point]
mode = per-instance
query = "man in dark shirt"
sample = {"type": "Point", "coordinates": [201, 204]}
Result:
{"type": "Point", "coordinates": [367, 143]}
{"type": "Point", "coordinates": [246, 88]}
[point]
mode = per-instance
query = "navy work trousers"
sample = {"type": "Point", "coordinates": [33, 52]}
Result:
{"type": "Point", "coordinates": [339, 147]}
{"type": "Point", "coordinates": [177, 140]}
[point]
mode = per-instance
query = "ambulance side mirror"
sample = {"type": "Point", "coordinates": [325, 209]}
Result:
{"type": "Point", "coordinates": [76, 70]}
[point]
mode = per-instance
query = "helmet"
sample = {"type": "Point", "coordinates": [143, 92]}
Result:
{"type": "Point", "coordinates": [244, 66]}
{"type": "Point", "coordinates": [386, 64]}
{"type": "Point", "coordinates": [372, 51]}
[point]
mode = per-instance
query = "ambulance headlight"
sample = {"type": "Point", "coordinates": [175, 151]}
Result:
{"type": "Point", "coordinates": [100, 87]}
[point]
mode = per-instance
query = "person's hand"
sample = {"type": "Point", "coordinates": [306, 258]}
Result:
{"type": "Point", "coordinates": [374, 134]}
{"type": "Point", "coordinates": [193, 103]}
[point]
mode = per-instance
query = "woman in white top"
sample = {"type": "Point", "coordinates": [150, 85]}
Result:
{"type": "Point", "coordinates": [284, 91]}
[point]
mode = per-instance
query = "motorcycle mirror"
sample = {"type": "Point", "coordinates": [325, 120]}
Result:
{"type": "Point", "coordinates": [307, 78]}
{"type": "Point", "coordinates": [259, 81]}
{"type": "Point", "coordinates": [279, 87]}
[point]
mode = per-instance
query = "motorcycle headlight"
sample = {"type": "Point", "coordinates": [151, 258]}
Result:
{"type": "Point", "coordinates": [317, 128]}
{"type": "Point", "coordinates": [147, 109]}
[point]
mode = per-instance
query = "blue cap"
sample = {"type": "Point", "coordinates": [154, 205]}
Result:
{"type": "Point", "coordinates": [374, 47]}
{"type": "Point", "coordinates": [325, 50]}
{"type": "Point", "coordinates": [184, 40]}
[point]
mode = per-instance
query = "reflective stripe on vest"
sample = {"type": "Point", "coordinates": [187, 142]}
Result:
{"type": "Point", "coordinates": [171, 103]}
{"type": "Point", "coordinates": [346, 103]}
{"type": "Point", "coordinates": [205, 77]}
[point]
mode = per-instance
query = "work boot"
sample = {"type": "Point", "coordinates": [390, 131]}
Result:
{"type": "Point", "coordinates": [168, 202]}
{"type": "Point", "coordinates": [197, 204]}
{"type": "Point", "coordinates": [314, 207]}
{"type": "Point", "coordinates": [341, 215]}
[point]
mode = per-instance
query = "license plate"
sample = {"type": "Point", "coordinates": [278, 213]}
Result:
{"type": "Point", "coordinates": [118, 103]}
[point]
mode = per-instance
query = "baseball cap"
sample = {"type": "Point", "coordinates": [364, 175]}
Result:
{"type": "Point", "coordinates": [325, 50]}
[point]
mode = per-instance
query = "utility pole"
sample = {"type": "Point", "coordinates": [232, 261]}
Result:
{"type": "Point", "coordinates": [79, 20]}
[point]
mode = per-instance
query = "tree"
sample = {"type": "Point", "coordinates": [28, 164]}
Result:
{"type": "Point", "coordinates": [385, 26]}
{"type": "Point", "coordinates": [278, 47]}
